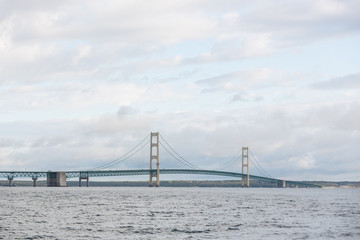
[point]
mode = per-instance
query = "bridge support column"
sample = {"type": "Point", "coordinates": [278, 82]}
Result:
{"type": "Point", "coordinates": [87, 181]}
{"type": "Point", "coordinates": [34, 181]}
{"type": "Point", "coordinates": [280, 184]}
{"type": "Point", "coordinates": [154, 155]}
{"type": "Point", "coordinates": [10, 178]}
{"type": "Point", "coordinates": [84, 176]}
{"type": "Point", "coordinates": [245, 164]}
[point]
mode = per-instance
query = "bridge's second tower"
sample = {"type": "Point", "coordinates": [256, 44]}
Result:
{"type": "Point", "coordinates": [154, 155]}
{"type": "Point", "coordinates": [245, 164]}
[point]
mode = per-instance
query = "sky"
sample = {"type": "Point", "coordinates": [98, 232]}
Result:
{"type": "Point", "coordinates": [83, 82]}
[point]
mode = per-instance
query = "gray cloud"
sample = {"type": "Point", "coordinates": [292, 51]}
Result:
{"type": "Point", "coordinates": [45, 40]}
{"type": "Point", "coordinates": [245, 82]}
{"type": "Point", "coordinates": [125, 111]}
{"type": "Point", "coordinates": [305, 21]}
{"type": "Point", "coordinates": [243, 97]}
{"type": "Point", "coordinates": [346, 82]}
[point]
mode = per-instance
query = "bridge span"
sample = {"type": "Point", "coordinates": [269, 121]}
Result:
{"type": "Point", "coordinates": [85, 175]}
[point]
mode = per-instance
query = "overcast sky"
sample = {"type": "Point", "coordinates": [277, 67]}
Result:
{"type": "Point", "coordinates": [82, 82]}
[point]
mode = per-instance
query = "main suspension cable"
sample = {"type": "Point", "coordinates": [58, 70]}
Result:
{"type": "Point", "coordinates": [183, 159]}
{"type": "Point", "coordinates": [123, 157]}
{"type": "Point", "coordinates": [145, 144]}
{"type": "Point", "coordinates": [258, 164]}
{"type": "Point", "coordinates": [177, 159]}
{"type": "Point", "coordinates": [231, 161]}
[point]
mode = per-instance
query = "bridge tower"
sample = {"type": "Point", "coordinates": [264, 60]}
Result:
{"type": "Point", "coordinates": [154, 155]}
{"type": "Point", "coordinates": [245, 164]}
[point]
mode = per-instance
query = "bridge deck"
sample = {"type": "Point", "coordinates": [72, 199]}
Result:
{"type": "Point", "coordinates": [107, 173]}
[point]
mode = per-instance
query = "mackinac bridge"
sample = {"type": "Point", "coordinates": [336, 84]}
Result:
{"type": "Point", "coordinates": [155, 141]}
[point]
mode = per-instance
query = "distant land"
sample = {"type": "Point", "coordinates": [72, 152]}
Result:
{"type": "Point", "coordinates": [189, 183]}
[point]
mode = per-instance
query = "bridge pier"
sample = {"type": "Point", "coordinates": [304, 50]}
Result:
{"type": "Point", "coordinates": [34, 181]}
{"type": "Point", "coordinates": [280, 184]}
{"type": "Point", "coordinates": [85, 176]}
{"type": "Point", "coordinates": [87, 180]}
{"type": "Point", "coordinates": [10, 178]}
{"type": "Point", "coordinates": [56, 179]}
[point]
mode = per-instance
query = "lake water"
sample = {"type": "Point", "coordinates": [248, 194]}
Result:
{"type": "Point", "coordinates": [179, 213]}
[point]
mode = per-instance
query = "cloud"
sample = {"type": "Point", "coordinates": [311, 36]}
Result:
{"type": "Point", "coordinates": [243, 97]}
{"type": "Point", "coordinates": [304, 21]}
{"type": "Point", "coordinates": [346, 82]}
{"type": "Point", "coordinates": [250, 80]}
{"type": "Point", "coordinates": [48, 41]}
{"type": "Point", "coordinates": [125, 110]}
{"type": "Point", "coordinates": [304, 162]}
{"type": "Point", "coordinates": [74, 95]}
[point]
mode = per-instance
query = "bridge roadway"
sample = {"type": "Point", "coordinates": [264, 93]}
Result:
{"type": "Point", "coordinates": [10, 175]}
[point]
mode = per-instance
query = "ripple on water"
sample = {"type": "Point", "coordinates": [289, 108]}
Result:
{"type": "Point", "coordinates": [181, 213]}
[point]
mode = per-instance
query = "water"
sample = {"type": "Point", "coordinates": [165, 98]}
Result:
{"type": "Point", "coordinates": [179, 213]}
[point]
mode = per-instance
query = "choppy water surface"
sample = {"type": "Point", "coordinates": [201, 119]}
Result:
{"type": "Point", "coordinates": [179, 213]}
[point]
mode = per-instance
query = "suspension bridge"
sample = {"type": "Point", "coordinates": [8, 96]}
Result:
{"type": "Point", "coordinates": [59, 178]}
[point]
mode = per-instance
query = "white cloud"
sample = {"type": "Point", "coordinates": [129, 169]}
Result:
{"type": "Point", "coordinates": [304, 162]}
{"type": "Point", "coordinates": [84, 51]}
{"type": "Point", "coordinates": [71, 95]}
{"type": "Point", "coordinates": [245, 80]}
{"type": "Point", "coordinates": [44, 40]}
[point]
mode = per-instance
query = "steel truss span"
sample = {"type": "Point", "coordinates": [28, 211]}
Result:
{"type": "Point", "coordinates": [108, 173]}
{"type": "Point", "coordinates": [22, 174]}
